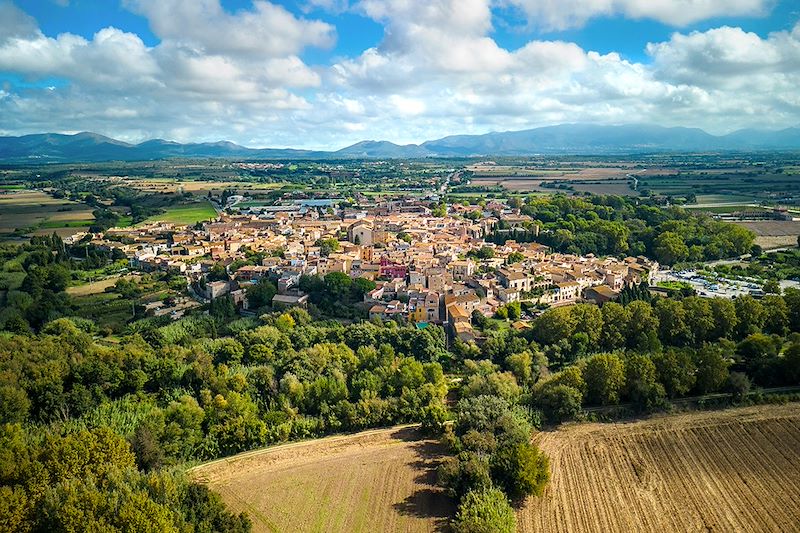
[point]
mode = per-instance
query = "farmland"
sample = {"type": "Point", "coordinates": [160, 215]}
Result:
{"type": "Point", "coordinates": [379, 480]}
{"type": "Point", "coordinates": [36, 212]}
{"type": "Point", "coordinates": [186, 214]}
{"type": "Point", "coordinates": [737, 470]}
{"type": "Point", "coordinates": [734, 470]}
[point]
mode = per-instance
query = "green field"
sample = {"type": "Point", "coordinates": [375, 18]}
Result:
{"type": "Point", "coordinates": [724, 209]}
{"type": "Point", "coordinates": [185, 214]}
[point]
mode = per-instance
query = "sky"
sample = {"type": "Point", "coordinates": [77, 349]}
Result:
{"type": "Point", "coordinates": [323, 74]}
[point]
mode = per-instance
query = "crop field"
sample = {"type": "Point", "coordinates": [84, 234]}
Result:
{"type": "Point", "coordinates": [39, 213]}
{"type": "Point", "coordinates": [736, 470]}
{"type": "Point", "coordinates": [380, 480]}
{"type": "Point", "coordinates": [774, 233]}
{"type": "Point", "coordinates": [170, 185]}
{"type": "Point", "coordinates": [733, 470]}
{"type": "Point", "coordinates": [185, 214]}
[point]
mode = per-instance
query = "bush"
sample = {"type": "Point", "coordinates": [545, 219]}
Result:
{"type": "Point", "coordinates": [486, 511]}
{"type": "Point", "coordinates": [520, 470]}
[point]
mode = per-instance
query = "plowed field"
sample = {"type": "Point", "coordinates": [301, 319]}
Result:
{"type": "Point", "coordinates": [737, 470]}
{"type": "Point", "coordinates": [718, 471]}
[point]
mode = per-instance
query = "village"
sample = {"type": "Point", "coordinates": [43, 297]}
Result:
{"type": "Point", "coordinates": [427, 269]}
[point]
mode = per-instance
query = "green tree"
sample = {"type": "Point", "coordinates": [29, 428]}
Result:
{"type": "Point", "coordinates": [520, 470]}
{"type": "Point", "coordinates": [699, 318]}
{"type": "Point", "coordinates": [725, 320]}
{"type": "Point", "coordinates": [776, 314]}
{"type": "Point", "coordinates": [772, 287]}
{"type": "Point", "coordinates": [338, 285]}
{"type": "Point", "coordinates": [641, 387]}
{"type": "Point", "coordinates": [261, 293]}
{"type": "Point", "coordinates": [643, 326]}
{"type": "Point", "coordinates": [558, 403]}
{"type": "Point", "coordinates": [672, 322]}
{"type": "Point", "coordinates": [605, 378]}
{"type": "Point", "coordinates": [712, 369]}
{"type": "Point", "coordinates": [670, 248]}
{"type": "Point", "coordinates": [485, 511]}
{"type": "Point", "coordinates": [750, 314]}
{"type": "Point", "coordinates": [615, 326]}
{"type": "Point", "coordinates": [676, 371]}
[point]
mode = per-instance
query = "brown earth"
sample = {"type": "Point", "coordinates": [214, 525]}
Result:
{"type": "Point", "coordinates": [736, 470]}
{"type": "Point", "coordinates": [733, 470]}
{"type": "Point", "coordinates": [381, 480]}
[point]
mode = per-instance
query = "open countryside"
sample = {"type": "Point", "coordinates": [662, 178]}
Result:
{"type": "Point", "coordinates": [378, 266]}
{"type": "Point", "coordinates": [736, 470]}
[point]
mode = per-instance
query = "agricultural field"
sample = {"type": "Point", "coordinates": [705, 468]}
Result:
{"type": "Point", "coordinates": [736, 470]}
{"type": "Point", "coordinates": [733, 470]}
{"type": "Point", "coordinates": [594, 179]}
{"type": "Point", "coordinates": [34, 212]}
{"type": "Point", "coordinates": [774, 233]}
{"type": "Point", "coordinates": [173, 185]}
{"type": "Point", "coordinates": [381, 480]}
{"type": "Point", "coordinates": [185, 214]}
{"type": "Point", "coordinates": [97, 287]}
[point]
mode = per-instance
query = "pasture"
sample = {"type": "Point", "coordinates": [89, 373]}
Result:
{"type": "Point", "coordinates": [185, 214]}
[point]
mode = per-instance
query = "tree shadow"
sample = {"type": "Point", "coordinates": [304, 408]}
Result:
{"type": "Point", "coordinates": [428, 501]}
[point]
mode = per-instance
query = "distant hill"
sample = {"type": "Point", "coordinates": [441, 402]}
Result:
{"type": "Point", "coordinates": [575, 139]}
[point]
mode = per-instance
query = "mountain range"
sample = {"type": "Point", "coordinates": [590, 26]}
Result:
{"type": "Point", "coordinates": [572, 139]}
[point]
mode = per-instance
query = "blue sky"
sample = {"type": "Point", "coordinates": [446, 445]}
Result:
{"type": "Point", "coordinates": [324, 73]}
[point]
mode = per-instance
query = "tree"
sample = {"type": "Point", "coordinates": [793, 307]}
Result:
{"type": "Point", "coordinates": [514, 310]}
{"type": "Point", "coordinates": [605, 378]}
{"type": "Point", "coordinates": [328, 246]}
{"type": "Point", "coordinates": [670, 248]}
{"type": "Point", "coordinates": [725, 320]}
{"type": "Point", "coordinates": [615, 326]}
{"type": "Point", "coordinates": [772, 287]}
{"type": "Point", "coordinates": [672, 322]}
{"type": "Point", "coordinates": [642, 332]}
{"type": "Point", "coordinates": [676, 371]}
{"type": "Point", "coordinates": [641, 387]}
{"type": "Point", "coordinates": [738, 385]}
{"type": "Point", "coordinates": [588, 319]}
{"type": "Point", "coordinates": [338, 285]}
{"type": "Point", "coordinates": [218, 272]}
{"type": "Point", "coordinates": [712, 369]}
{"type": "Point", "coordinates": [776, 314]}
{"type": "Point", "coordinates": [514, 257]}
{"type": "Point", "coordinates": [464, 473]}
{"type": "Point", "coordinates": [261, 293]}
{"type": "Point", "coordinates": [750, 314]}
{"type": "Point", "coordinates": [485, 511]}
{"type": "Point", "coordinates": [520, 470]}
{"type": "Point", "coordinates": [558, 403]}
{"type": "Point", "coordinates": [554, 325]}
{"type": "Point", "coordinates": [699, 318]}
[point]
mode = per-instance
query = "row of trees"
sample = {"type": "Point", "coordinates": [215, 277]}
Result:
{"type": "Point", "coordinates": [494, 463]}
{"type": "Point", "coordinates": [567, 333]}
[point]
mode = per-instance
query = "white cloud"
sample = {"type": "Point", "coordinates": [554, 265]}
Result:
{"type": "Point", "coordinates": [562, 14]}
{"type": "Point", "coordinates": [437, 71]}
{"type": "Point", "coordinates": [267, 30]}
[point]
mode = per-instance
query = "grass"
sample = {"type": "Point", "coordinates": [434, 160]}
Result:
{"type": "Point", "coordinates": [185, 214]}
